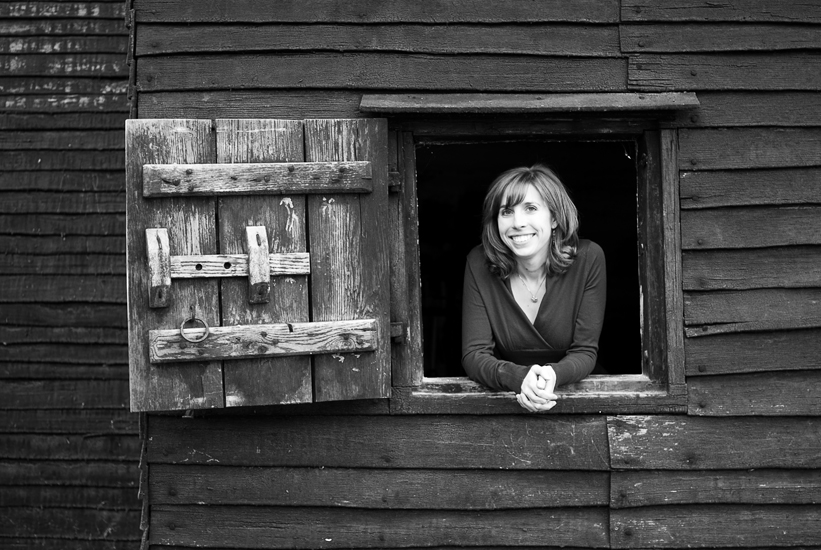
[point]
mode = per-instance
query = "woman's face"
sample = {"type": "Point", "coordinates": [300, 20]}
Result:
{"type": "Point", "coordinates": [526, 227]}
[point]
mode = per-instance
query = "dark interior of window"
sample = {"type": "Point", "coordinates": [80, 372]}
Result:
{"type": "Point", "coordinates": [452, 179]}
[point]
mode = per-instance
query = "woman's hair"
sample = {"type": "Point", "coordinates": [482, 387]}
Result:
{"type": "Point", "coordinates": [513, 185]}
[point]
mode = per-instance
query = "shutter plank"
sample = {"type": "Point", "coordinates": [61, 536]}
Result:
{"type": "Point", "coordinates": [349, 256]}
{"type": "Point", "coordinates": [264, 381]}
{"type": "Point", "coordinates": [191, 227]}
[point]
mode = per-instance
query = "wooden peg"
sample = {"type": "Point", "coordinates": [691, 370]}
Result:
{"type": "Point", "coordinates": [259, 267]}
{"type": "Point", "coordinates": [159, 267]}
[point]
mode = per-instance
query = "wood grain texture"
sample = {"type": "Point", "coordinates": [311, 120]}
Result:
{"type": "Point", "coordinates": [789, 11]}
{"type": "Point", "coordinates": [671, 257]}
{"type": "Point", "coordinates": [62, 371]}
{"type": "Point", "coordinates": [753, 352]}
{"type": "Point", "coordinates": [63, 394]}
{"type": "Point", "coordinates": [651, 241]}
{"type": "Point", "coordinates": [63, 180]}
{"type": "Point", "coordinates": [700, 443]}
{"type": "Point", "coordinates": [297, 104]}
{"type": "Point", "coordinates": [348, 240]}
{"type": "Point", "coordinates": [82, 523]}
{"type": "Point", "coordinates": [74, 27]}
{"type": "Point", "coordinates": [421, 401]}
{"type": "Point", "coordinates": [65, 315]}
{"type": "Point", "coordinates": [406, 364]}
{"type": "Point", "coordinates": [717, 37]}
{"type": "Point", "coordinates": [32, 447]}
{"type": "Point", "coordinates": [256, 178]}
{"type": "Point", "coordinates": [752, 305]}
{"type": "Point", "coordinates": [100, 498]}
{"type": "Point", "coordinates": [158, 257]}
{"type": "Point", "coordinates": [750, 187]}
{"type": "Point", "coordinates": [67, 264]}
{"type": "Point", "coordinates": [750, 227]}
{"type": "Point", "coordinates": [70, 421]}
{"type": "Point", "coordinates": [263, 340]}
{"type": "Point", "coordinates": [60, 203]}
{"type": "Point", "coordinates": [734, 148]}
{"type": "Point", "coordinates": [52, 334]}
{"type": "Point", "coordinates": [449, 442]}
{"type": "Point", "coordinates": [555, 39]}
{"type": "Point", "coordinates": [62, 224]}
{"type": "Point", "coordinates": [757, 394]}
{"type": "Point", "coordinates": [377, 489]}
{"type": "Point", "coordinates": [63, 121]}
{"type": "Point", "coordinates": [743, 108]}
{"type": "Point", "coordinates": [393, 11]}
{"type": "Point", "coordinates": [784, 267]}
{"type": "Point", "coordinates": [61, 160]}
{"type": "Point", "coordinates": [263, 527]}
{"type": "Point", "coordinates": [59, 544]}
{"type": "Point", "coordinates": [264, 381]}
{"type": "Point", "coordinates": [360, 71]}
{"type": "Point", "coordinates": [48, 10]}
{"type": "Point", "coordinates": [64, 103]}
{"type": "Point", "coordinates": [69, 288]}
{"type": "Point", "coordinates": [74, 140]}
{"type": "Point", "coordinates": [726, 71]}
{"type": "Point", "coordinates": [85, 354]}
{"type": "Point", "coordinates": [630, 489]}
{"type": "Point", "coordinates": [58, 65]}
{"type": "Point", "coordinates": [69, 474]}
{"type": "Point", "coordinates": [56, 334]}
{"type": "Point", "coordinates": [714, 526]}
{"type": "Point", "coordinates": [192, 230]}
{"type": "Point", "coordinates": [525, 103]}
{"type": "Point", "coordinates": [237, 265]}
{"type": "Point", "coordinates": [57, 44]}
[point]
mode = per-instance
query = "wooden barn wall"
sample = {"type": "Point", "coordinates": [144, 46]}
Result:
{"type": "Point", "coordinates": [69, 448]}
{"type": "Point", "coordinates": [741, 469]}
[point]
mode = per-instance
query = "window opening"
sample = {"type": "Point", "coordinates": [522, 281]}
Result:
{"type": "Point", "coordinates": [452, 179]}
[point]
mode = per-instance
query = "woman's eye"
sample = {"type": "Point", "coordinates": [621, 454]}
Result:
{"type": "Point", "coordinates": [531, 208]}
{"type": "Point", "coordinates": [505, 212]}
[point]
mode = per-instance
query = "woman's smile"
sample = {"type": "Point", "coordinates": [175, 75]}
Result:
{"type": "Point", "coordinates": [521, 239]}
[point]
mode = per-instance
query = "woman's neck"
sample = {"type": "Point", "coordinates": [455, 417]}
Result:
{"type": "Point", "coordinates": [531, 269]}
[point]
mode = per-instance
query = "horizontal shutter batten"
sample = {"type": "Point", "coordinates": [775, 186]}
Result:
{"type": "Point", "coordinates": [160, 180]}
{"type": "Point", "coordinates": [281, 339]}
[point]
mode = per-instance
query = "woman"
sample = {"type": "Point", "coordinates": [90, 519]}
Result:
{"type": "Point", "coordinates": [534, 293]}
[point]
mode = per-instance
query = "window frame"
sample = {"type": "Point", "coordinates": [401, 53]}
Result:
{"type": "Point", "coordinates": [661, 386]}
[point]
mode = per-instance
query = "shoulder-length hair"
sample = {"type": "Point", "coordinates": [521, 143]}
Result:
{"type": "Point", "coordinates": [511, 187]}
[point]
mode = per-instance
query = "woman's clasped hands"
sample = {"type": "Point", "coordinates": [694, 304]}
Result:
{"type": "Point", "coordinates": [537, 389]}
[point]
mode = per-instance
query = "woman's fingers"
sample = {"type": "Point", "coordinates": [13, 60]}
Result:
{"type": "Point", "coordinates": [532, 406]}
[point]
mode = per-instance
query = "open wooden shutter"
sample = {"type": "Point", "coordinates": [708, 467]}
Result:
{"type": "Point", "coordinates": [257, 262]}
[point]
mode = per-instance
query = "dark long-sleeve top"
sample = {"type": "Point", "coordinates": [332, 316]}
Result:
{"type": "Point", "coordinates": [499, 343]}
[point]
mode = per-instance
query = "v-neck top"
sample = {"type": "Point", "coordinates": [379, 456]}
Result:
{"type": "Point", "coordinates": [500, 344]}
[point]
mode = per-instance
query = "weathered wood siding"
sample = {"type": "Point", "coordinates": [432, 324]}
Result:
{"type": "Point", "coordinates": [69, 448]}
{"type": "Point", "coordinates": [740, 470]}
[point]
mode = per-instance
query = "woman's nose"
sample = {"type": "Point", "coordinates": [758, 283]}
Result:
{"type": "Point", "coordinates": [518, 218]}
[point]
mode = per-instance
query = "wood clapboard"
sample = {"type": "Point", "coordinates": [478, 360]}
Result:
{"type": "Point", "coordinates": [257, 262]}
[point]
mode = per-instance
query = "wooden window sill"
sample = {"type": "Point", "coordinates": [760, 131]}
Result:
{"type": "Point", "coordinates": [597, 394]}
